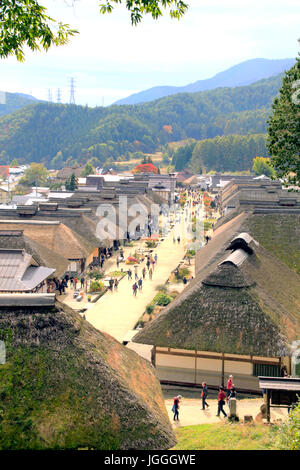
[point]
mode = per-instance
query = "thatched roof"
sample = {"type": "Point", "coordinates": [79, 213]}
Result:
{"type": "Point", "coordinates": [242, 309]}
{"type": "Point", "coordinates": [42, 255]}
{"type": "Point", "coordinates": [55, 236]}
{"type": "Point", "coordinates": [75, 387]}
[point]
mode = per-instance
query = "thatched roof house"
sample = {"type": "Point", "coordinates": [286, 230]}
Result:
{"type": "Point", "coordinates": [75, 387]}
{"type": "Point", "coordinates": [54, 236]}
{"type": "Point", "coordinates": [243, 306]}
{"type": "Point", "coordinates": [43, 256]}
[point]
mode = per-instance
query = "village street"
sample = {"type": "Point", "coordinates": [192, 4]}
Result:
{"type": "Point", "coordinates": [118, 312]}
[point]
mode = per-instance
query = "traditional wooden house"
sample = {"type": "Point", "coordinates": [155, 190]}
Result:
{"type": "Point", "coordinates": [20, 270]}
{"type": "Point", "coordinates": [239, 316]}
{"type": "Point", "coordinates": [57, 237]}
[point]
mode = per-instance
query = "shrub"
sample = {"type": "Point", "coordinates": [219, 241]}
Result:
{"type": "Point", "coordinates": [151, 244]}
{"type": "Point", "coordinates": [150, 308]}
{"type": "Point", "coordinates": [183, 272]}
{"type": "Point", "coordinates": [96, 286]}
{"type": "Point", "coordinates": [162, 299]}
{"type": "Point", "coordinates": [288, 436]}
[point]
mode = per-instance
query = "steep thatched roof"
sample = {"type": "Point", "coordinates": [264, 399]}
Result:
{"type": "Point", "coordinates": [55, 236]}
{"type": "Point", "coordinates": [243, 309]}
{"type": "Point", "coordinates": [75, 387]}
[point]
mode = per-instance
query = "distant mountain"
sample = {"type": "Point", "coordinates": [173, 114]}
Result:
{"type": "Point", "coordinates": [242, 74]}
{"type": "Point", "coordinates": [10, 102]}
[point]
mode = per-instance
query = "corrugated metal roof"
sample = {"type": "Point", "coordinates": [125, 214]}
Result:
{"type": "Point", "coordinates": [17, 273]}
{"type": "Point", "coordinates": [243, 236]}
{"type": "Point", "coordinates": [237, 257]}
{"type": "Point", "coordinates": [277, 383]}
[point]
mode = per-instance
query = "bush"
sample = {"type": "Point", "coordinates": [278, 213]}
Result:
{"type": "Point", "coordinates": [183, 272]}
{"type": "Point", "coordinates": [162, 299]}
{"type": "Point", "coordinates": [288, 435]}
{"type": "Point", "coordinates": [150, 308]}
{"type": "Point", "coordinates": [96, 286]}
{"type": "Point", "coordinates": [151, 244]}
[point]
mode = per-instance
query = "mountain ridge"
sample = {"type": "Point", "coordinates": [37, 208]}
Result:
{"type": "Point", "coordinates": [245, 73]}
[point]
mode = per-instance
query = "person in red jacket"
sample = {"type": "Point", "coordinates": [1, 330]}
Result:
{"type": "Point", "coordinates": [229, 385]}
{"type": "Point", "coordinates": [221, 401]}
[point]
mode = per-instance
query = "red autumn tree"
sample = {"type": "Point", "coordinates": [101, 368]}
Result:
{"type": "Point", "coordinates": [145, 168]}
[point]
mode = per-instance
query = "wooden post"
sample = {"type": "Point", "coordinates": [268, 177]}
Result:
{"type": "Point", "coordinates": [268, 406]}
{"type": "Point", "coordinates": [223, 369]}
{"type": "Point", "coordinates": [195, 367]}
{"type": "Point", "coordinates": [153, 355]}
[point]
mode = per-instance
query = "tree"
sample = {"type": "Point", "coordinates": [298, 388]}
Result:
{"type": "Point", "coordinates": [88, 170]}
{"type": "Point", "coordinates": [138, 8]}
{"type": "Point", "coordinates": [283, 139]}
{"type": "Point", "coordinates": [71, 183]}
{"type": "Point", "coordinates": [25, 23]}
{"type": "Point", "coordinates": [14, 162]}
{"type": "Point", "coordinates": [36, 175]}
{"type": "Point", "coordinates": [262, 166]}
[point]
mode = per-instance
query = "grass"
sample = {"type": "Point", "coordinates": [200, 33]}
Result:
{"type": "Point", "coordinates": [225, 437]}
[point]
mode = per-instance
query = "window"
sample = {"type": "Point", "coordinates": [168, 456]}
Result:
{"type": "Point", "coordinates": [266, 370]}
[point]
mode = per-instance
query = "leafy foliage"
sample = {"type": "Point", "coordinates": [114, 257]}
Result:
{"type": "Point", "coordinates": [138, 8]}
{"type": "Point", "coordinates": [284, 128]}
{"type": "Point", "coordinates": [288, 437]}
{"type": "Point", "coordinates": [36, 174]}
{"type": "Point", "coordinates": [145, 168]}
{"type": "Point", "coordinates": [25, 23]}
{"type": "Point", "coordinates": [261, 166]}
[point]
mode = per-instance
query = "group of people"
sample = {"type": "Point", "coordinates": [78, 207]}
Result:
{"type": "Point", "coordinates": [223, 397]}
{"type": "Point", "coordinates": [138, 284]}
{"type": "Point", "coordinates": [61, 284]}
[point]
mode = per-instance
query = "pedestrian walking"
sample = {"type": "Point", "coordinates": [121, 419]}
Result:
{"type": "Point", "coordinates": [129, 273]}
{"type": "Point", "coordinates": [134, 288]}
{"type": "Point", "coordinates": [175, 407]}
{"type": "Point", "coordinates": [136, 273]}
{"type": "Point", "coordinates": [75, 283]}
{"type": "Point", "coordinates": [148, 263]}
{"type": "Point", "coordinates": [150, 274]}
{"type": "Point", "coordinates": [229, 385]}
{"type": "Point", "coordinates": [204, 394]}
{"type": "Point", "coordinates": [82, 282]}
{"type": "Point", "coordinates": [111, 284]}
{"type": "Point", "coordinates": [155, 258]}
{"type": "Point", "coordinates": [140, 283]}
{"type": "Point", "coordinates": [221, 401]}
{"type": "Point", "coordinates": [116, 283]}
{"type": "Point", "coordinates": [144, 273]}
{"type": "Point", "coordinates": [178, 239]}
{"type": "Point", "coordinates": [118, 261]}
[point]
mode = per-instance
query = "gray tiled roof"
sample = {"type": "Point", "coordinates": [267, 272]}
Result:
{"type": "Point", "coordinates": [16, 272]}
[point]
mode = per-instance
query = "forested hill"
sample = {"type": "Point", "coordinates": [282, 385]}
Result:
{"type": "Point", "coordinates": [39, 132]}
{"type": "Point", "coordinates": [10, 102]}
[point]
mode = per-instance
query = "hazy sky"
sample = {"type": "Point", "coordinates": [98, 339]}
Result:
{"type": "Point", "coordinates": [111, 59]}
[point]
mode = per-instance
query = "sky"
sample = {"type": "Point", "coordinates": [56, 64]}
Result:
{"type": "Point", "coordinates": [111, 59]}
